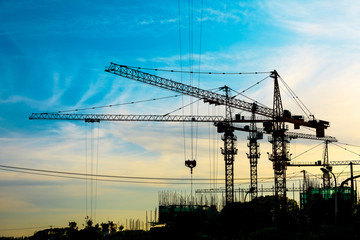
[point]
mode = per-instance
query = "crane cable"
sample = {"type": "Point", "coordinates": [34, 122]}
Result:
{"type": "Point", "coordinates": [194, 72]}
{"type": "Point", "coordinates": [307, 151]}
{"type": "Point", "coordinates": [86, 168]}
{"type": "Point", "coordinates": [184, 106]}
{"type": "Point", "coordinates": [346, 149]}
{"type": "Point", "coordinates": [97, 166]}
{"type": "Point", "coordinates": [191, 69]}
{"type": "Point", "coordinates": [241, 93]}
{"type": "Point", "coordinates": [181, 78]}
{"type": "Point", "coordinates": [199, 79]}
{"type": "Point", "coordinates": [213, 148]}
{"type": "Point", "coordinates": [209, 150]}
{"type": "Point", "coordinates": [91, 159]}
{"type": "Point", "coordinates": [296, 99]}
{"type": "Point", "coordinates": [347, 144]}
{"type": "Point", "coordinates": [118, 104]}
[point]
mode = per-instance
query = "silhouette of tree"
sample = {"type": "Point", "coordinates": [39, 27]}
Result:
{"type": "Point", "coordinates": [73, 225]}
{"type": "Point", "coordinates": [88, 222]}
{"type": "Point", "coordinates": [112, 226]}
{"type": "Point", "coordinates": [105, 228]}
{"type": "Point", "coordinates": [51, 233]}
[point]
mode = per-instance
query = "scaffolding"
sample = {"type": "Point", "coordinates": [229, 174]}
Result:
{"type": "Point", "coordinates": [173, 207]}
{"type": "Point", "coordinates": [324, 194]}
{"type": "Point", "coordinates": [321, 205]}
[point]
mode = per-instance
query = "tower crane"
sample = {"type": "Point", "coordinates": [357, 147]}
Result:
{"type": "Point", "coordinates": [326, 164]}
{"type": "Point", "coordinates": [276, 127]}
{"type": "Point", "coordinates": [218, 121]}
{"type": "Point", "coordinates": [273, 120]}
{"type": "Point", "coordinates": [257, 133]}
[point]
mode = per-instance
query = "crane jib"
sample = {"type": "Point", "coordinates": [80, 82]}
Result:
{"type": "Point", "coordinates": [126, 117]}
{"type": "Point", "coordinates": [211, 97]}
{"type": "Point", "coordinates": [207, 96]}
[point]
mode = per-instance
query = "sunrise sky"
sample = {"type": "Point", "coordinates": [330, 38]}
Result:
{"type": "Point", "coordinates": [53, 57]}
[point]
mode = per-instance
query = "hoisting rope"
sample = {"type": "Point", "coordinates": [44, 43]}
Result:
{"type": "Point", "coordinates": [191, 69]}
{"type": "Point", "coordinates": [199, 66]}
{"type": "Point", "coordinates": [181, 79]}
{"type": "Point", "coordinates": [86, 168]}
{"type": "Point", "coordinates": [90, 158]}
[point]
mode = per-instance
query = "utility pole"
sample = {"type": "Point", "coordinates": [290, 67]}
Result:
{"type": "Point", "coordinates": [352, 183]}
{"type": "Point", "coordinates": [329, 170]}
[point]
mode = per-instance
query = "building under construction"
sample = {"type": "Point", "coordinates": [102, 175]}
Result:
{"type": "Point", "coordinates": [174, 208]}
{"type": "Point", "coordinates": [328, 205]}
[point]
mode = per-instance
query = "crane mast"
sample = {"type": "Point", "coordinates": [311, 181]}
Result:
{"type": "Point", "coordinates": [326, 175]}
{"type": "Point", "coordinates": [279, 155]}
{"type": "Point", "coordinates": [254, 153]}
{"type": "Point", "coordinates": [229, 151]}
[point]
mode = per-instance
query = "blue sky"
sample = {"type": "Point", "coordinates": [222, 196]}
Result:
{"type": "Point", "coordinates": [53, 56]}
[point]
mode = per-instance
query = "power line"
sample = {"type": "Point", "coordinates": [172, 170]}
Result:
{"type": "Point", "coordinates": [81, 176]}
{"type": "Point", "coordinates": [104, 180]}
{"type": "Point", "coordinates": [112, 180]}
{"type": "Point", "coordinates": [95, 176]}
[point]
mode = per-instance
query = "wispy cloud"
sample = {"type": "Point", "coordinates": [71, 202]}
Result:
{"type": "Point", "coordinates": [313, 46]}
{"type": "Point", "coordinates": [223, 15]}
{"type": "Point", "coordinates": [321, 19]}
